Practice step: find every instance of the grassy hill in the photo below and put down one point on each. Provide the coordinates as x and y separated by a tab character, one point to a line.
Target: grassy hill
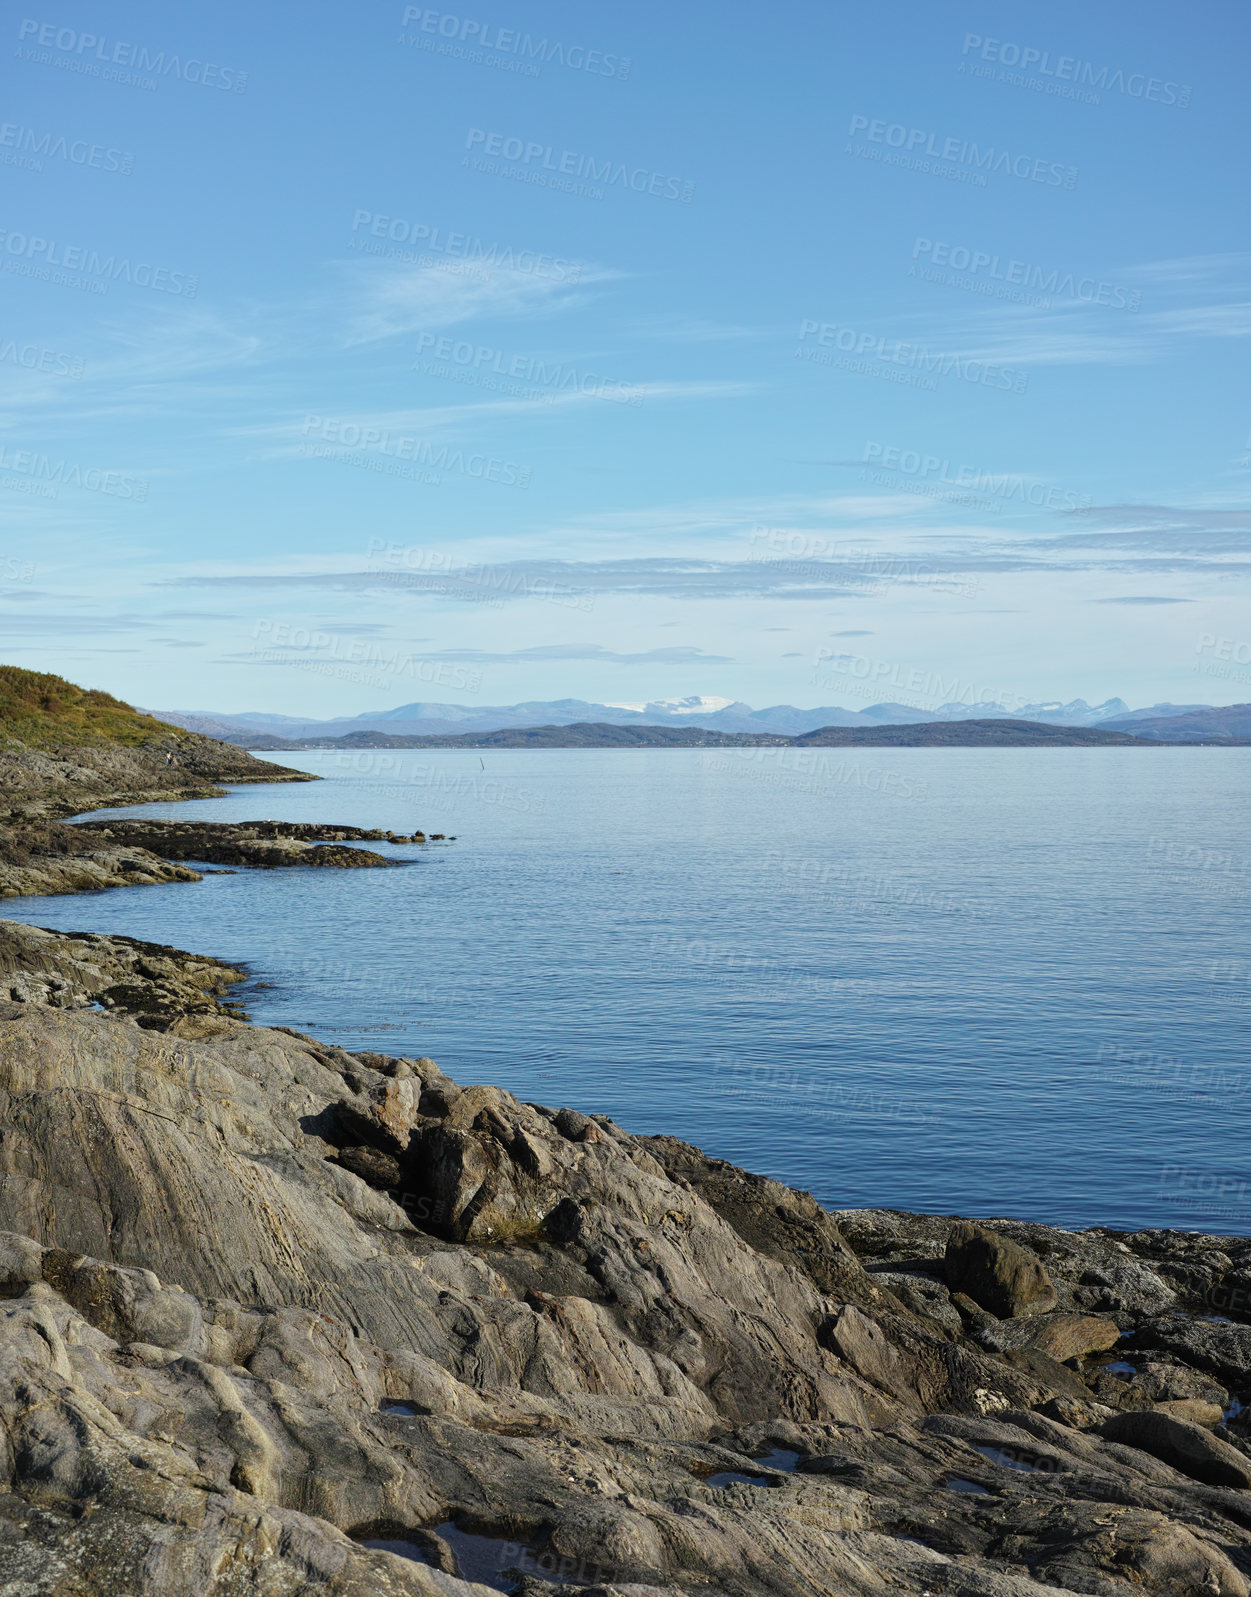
64	749
45	711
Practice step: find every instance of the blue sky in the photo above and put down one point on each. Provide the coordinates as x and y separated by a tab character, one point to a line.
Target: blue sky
358	355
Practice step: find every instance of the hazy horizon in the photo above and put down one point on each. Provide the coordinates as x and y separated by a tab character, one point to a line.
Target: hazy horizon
675	704
638	349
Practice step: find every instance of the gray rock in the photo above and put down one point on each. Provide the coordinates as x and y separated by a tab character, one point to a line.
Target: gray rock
1060	1336
1186	1447
243	1355
923	1295
1194	1410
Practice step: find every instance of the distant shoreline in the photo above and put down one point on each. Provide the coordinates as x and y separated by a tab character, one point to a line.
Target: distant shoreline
996	733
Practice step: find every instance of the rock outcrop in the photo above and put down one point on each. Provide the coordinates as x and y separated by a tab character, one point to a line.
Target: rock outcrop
997	1273
265	1305
277	1319
255	843
161	987
49	858
48	783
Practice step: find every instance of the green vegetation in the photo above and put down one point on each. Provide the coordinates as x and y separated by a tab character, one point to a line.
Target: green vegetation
46	711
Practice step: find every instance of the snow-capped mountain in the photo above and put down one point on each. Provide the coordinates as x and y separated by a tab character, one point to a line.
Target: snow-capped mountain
718	714
693	704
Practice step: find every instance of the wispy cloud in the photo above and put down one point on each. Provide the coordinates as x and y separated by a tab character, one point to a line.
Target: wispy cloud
521	579
1207	321
1190	272
390	301
1076	333
388	426
682	654
1194	531
183	355
1141	550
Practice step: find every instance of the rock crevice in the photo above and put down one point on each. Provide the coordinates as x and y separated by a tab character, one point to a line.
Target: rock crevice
263	1300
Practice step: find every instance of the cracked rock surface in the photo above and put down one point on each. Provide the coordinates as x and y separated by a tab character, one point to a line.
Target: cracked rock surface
263	1302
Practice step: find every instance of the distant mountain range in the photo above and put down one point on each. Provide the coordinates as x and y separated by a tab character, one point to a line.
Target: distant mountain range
255	729
1204	724
1001	732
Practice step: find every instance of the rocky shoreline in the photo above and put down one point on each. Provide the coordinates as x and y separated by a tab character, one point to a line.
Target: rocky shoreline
263	1302
49	783
278	1319
40	856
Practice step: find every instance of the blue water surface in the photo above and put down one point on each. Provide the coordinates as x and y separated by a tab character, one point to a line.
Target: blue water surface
974	981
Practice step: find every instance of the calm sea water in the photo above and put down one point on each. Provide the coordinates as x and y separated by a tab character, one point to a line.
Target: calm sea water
995	982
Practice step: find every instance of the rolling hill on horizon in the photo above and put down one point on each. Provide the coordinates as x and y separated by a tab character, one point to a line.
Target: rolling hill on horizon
1002	732
1211	724
718	715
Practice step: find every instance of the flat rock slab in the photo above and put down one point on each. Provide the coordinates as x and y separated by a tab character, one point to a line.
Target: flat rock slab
1060	1336
1188	1448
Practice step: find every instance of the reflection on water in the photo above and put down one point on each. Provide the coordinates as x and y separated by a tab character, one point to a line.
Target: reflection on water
1005	985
